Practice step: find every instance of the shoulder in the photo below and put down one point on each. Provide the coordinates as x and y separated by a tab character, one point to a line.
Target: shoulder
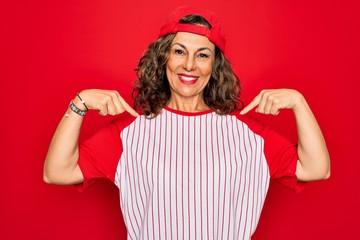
123	120
252	123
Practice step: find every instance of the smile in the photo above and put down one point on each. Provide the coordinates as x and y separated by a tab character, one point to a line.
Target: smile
187	79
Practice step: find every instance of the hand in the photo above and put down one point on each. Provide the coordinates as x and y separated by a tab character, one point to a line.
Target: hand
107	102
272	101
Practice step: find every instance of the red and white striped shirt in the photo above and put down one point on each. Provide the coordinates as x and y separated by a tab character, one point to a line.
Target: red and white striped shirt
189	175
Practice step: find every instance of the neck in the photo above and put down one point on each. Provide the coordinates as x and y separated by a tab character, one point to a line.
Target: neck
187	105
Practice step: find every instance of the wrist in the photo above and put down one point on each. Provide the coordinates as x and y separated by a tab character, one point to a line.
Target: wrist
78	106
77	102
300	104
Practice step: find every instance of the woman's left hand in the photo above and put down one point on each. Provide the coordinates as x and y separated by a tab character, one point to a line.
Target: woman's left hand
314	160
273	100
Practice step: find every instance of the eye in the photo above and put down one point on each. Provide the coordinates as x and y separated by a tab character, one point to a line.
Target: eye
179	51
203	55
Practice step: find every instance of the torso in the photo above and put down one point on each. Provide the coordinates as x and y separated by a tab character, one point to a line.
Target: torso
191	176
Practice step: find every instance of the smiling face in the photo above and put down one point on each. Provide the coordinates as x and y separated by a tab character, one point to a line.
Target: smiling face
188	70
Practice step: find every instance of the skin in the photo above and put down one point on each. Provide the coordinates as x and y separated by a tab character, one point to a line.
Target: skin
191	58
188	70
314	160
61	161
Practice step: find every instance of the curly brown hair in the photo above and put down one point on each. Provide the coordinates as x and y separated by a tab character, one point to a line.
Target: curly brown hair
152	91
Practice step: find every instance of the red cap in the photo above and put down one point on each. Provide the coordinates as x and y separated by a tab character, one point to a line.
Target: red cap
215	34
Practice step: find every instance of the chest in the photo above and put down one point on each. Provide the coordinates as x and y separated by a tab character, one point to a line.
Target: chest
192	150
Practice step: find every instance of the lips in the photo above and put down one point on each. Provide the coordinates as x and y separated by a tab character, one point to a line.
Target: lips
187	79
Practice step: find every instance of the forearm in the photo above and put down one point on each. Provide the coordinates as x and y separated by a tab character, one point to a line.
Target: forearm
314	161
61	161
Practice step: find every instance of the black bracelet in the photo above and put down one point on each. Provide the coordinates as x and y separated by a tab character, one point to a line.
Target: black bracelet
77	110
82	101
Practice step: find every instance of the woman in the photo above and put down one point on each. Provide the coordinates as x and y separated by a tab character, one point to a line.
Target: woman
190	165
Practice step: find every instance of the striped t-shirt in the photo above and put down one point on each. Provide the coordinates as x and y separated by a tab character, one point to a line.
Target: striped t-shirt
189	175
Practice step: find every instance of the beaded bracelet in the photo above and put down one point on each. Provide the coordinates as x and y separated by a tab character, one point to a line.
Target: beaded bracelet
77	110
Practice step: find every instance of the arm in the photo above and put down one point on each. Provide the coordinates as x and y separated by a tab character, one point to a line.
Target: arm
314	160
61	163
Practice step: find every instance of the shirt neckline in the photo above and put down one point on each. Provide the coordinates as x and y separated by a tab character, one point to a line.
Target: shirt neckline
183	113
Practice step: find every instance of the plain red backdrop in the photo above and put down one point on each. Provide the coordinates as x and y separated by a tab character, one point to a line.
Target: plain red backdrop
52	49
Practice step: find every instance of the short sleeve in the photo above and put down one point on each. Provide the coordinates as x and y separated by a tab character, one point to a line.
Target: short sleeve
99	155
282	158
280	153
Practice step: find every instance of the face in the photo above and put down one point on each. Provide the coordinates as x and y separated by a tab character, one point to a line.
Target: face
189	66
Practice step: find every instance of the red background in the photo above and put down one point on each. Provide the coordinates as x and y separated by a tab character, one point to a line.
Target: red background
52	49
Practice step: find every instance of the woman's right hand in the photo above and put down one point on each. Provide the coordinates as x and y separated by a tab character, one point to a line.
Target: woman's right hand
61	163
106	102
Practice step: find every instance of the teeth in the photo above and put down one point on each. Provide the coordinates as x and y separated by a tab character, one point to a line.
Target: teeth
188	78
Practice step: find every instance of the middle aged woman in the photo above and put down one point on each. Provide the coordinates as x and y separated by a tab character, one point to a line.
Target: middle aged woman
189	164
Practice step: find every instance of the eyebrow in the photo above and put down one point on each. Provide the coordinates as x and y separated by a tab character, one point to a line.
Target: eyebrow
199	49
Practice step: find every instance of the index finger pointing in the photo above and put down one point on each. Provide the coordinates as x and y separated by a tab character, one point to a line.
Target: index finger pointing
251	105
128	108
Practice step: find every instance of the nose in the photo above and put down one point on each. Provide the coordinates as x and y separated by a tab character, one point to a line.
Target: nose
189	63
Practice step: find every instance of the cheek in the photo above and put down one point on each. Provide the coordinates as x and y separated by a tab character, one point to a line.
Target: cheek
169	69
172	64
170	72
207	69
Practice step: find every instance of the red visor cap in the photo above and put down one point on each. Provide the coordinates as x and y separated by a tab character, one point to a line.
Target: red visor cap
215	34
